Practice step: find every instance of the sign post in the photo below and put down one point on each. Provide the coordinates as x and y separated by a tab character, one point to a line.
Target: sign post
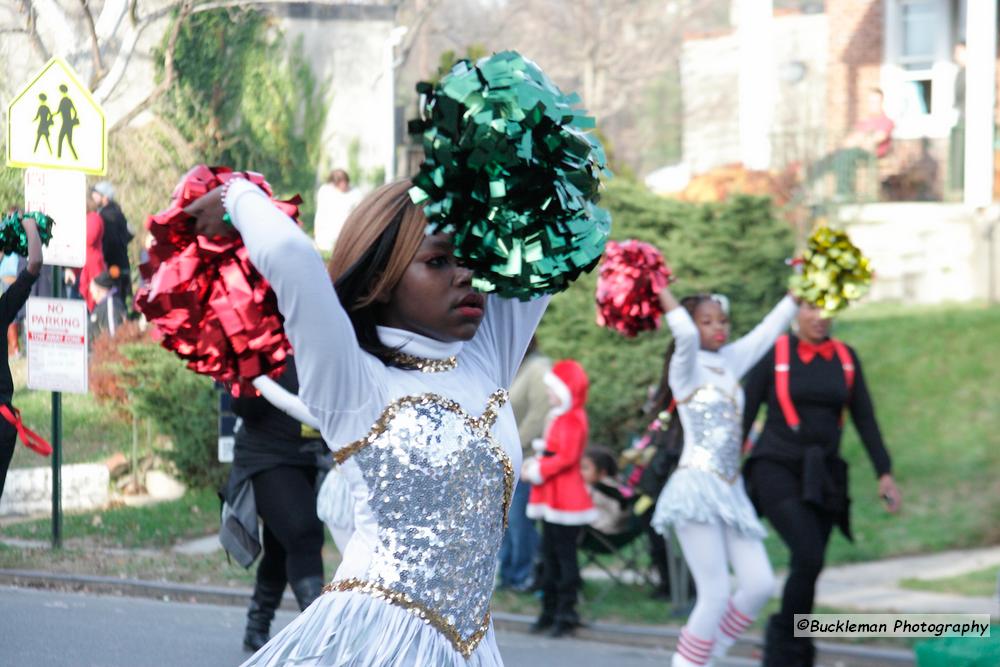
58	131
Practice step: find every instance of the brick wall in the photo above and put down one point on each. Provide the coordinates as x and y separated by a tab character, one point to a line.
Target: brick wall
855	42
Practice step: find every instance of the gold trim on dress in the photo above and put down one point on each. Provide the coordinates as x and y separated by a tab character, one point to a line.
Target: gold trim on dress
410	362
429	616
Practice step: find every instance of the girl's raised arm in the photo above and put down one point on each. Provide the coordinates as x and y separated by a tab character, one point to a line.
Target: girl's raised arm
742	354
505	333
335	375
684	361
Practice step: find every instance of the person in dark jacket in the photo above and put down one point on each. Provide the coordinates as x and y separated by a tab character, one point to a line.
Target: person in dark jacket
117	236
10	303
276	459
795	476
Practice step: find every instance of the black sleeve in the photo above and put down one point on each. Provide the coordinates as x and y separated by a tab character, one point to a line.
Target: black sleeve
757	385
863	415
15	296
249	408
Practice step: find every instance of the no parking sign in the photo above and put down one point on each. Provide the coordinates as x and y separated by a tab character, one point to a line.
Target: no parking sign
57	344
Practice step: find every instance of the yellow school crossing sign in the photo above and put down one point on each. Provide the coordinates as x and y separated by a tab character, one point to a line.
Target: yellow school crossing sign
54	123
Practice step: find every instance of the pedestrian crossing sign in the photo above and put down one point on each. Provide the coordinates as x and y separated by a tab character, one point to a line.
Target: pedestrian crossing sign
54	123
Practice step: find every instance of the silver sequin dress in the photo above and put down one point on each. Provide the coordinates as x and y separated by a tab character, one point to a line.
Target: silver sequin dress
707	486
429	459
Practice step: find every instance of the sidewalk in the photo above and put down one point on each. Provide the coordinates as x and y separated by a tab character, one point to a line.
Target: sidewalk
874	586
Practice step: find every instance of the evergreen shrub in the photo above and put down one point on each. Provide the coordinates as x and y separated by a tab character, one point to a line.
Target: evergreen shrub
736	247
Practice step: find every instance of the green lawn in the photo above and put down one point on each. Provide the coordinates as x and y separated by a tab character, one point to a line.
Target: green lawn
208	570
91	433
934	374
982	583
152	526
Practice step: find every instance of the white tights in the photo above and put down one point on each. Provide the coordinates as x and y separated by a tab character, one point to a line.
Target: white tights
718	618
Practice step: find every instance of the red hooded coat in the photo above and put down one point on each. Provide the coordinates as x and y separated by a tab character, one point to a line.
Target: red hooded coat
562	497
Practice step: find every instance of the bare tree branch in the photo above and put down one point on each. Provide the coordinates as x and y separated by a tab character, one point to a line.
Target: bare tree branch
95	47
32	29
168	68
414	29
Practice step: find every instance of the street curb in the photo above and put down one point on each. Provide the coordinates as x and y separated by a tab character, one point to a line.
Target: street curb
664	637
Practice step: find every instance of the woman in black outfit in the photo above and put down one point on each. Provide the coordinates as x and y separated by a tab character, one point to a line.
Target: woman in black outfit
279	456
10	303
795	475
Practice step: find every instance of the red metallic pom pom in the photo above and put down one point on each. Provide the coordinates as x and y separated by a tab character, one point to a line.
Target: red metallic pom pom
629	281
209	305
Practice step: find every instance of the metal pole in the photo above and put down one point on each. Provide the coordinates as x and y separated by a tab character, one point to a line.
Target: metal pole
57	292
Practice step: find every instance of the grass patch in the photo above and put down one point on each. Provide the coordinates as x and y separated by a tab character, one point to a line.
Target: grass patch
90	432
151	526
981	583
934	374
205	570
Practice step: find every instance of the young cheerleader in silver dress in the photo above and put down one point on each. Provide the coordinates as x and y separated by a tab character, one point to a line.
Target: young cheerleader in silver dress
704	500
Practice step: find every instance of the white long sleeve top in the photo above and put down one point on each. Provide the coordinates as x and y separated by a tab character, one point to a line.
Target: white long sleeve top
429	456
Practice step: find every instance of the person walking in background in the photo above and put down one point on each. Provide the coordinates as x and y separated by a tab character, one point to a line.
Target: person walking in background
116	238
559	497
13	298
795	475
334	202
529	398
275	466
704	500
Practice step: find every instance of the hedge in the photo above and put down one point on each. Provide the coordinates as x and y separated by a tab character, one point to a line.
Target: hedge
736	247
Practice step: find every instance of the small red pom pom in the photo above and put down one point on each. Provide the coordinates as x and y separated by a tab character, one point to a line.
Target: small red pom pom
629	281
209	305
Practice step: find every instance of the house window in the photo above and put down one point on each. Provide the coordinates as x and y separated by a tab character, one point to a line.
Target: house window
918	74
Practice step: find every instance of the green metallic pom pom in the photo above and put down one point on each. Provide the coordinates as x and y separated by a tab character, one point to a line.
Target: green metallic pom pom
13	238
512	173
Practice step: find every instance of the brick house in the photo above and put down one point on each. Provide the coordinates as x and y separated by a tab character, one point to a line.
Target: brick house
786	86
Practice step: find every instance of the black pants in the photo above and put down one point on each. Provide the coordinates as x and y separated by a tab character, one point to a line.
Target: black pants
560	572
805	530
293	534
8	440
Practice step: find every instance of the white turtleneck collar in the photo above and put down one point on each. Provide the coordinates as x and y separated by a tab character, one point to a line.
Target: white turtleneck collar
416	345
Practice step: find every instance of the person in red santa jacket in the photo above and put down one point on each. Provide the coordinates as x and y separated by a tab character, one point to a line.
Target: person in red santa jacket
559	497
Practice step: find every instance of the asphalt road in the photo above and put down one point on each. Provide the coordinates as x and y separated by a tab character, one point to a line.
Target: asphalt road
43	628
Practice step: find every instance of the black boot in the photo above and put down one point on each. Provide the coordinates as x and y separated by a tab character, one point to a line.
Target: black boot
783	649
266	599
307	589
566	620
547	618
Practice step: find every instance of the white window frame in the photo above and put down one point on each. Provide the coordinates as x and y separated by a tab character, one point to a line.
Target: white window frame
896	78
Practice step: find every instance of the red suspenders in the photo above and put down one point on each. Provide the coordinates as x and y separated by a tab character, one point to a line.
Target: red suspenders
782	357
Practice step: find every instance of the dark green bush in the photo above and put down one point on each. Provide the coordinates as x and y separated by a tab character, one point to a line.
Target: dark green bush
735	247
183	407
